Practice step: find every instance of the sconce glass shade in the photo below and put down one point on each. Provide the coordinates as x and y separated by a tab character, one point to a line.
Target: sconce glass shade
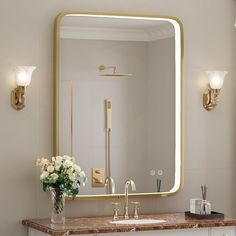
24	74
216	78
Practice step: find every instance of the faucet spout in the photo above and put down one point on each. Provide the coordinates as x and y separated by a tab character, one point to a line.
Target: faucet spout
133	188
109	181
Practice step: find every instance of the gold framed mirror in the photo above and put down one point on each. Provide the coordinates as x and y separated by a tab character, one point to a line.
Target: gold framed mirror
119	101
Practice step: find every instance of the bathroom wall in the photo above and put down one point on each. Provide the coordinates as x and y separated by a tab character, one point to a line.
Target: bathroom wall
27	38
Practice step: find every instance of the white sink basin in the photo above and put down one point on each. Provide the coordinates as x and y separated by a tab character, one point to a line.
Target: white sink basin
137	222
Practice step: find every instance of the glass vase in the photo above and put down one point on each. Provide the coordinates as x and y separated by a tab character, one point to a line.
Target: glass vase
58	206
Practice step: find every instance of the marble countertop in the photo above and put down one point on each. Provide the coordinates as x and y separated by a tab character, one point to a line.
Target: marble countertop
95	225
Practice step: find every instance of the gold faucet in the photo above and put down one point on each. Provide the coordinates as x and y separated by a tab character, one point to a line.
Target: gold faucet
133	188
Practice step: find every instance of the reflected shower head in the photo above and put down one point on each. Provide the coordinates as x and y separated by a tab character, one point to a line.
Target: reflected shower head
114	72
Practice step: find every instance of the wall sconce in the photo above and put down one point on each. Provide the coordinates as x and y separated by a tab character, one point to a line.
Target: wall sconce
211	96
23	79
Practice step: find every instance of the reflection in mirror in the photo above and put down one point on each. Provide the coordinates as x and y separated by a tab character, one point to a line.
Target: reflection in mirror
120	101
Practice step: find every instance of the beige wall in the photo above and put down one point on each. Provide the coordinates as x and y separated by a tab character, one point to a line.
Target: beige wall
27	38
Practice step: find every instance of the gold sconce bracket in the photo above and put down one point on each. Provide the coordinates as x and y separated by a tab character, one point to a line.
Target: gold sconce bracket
211	98
18	97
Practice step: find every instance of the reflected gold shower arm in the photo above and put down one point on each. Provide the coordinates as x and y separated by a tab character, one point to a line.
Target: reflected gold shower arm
113	73
102	67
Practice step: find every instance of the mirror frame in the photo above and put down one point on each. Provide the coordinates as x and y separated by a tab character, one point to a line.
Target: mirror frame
57	66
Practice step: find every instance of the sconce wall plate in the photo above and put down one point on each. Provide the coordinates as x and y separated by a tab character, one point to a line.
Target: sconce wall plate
211	98
18	97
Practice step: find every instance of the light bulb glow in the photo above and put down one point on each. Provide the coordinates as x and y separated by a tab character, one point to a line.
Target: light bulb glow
24	74
216	78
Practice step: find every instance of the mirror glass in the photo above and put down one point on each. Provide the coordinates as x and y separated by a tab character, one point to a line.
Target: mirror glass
119	103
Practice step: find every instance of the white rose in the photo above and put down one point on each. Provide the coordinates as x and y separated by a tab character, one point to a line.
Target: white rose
44	175
67	163
44	161
50	169
41	162
72	177
53	159
82	174
58	164
65	157
57	167
69	171
58	158
54	177
76	168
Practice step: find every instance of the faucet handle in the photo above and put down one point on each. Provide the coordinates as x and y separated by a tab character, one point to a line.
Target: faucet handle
136	208
115	210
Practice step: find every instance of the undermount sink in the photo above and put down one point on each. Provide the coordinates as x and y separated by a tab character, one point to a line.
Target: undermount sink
138	222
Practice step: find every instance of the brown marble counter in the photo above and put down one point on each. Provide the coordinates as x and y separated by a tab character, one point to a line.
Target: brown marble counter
95	225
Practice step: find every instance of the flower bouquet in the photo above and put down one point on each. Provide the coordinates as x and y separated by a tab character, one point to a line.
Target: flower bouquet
62	177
